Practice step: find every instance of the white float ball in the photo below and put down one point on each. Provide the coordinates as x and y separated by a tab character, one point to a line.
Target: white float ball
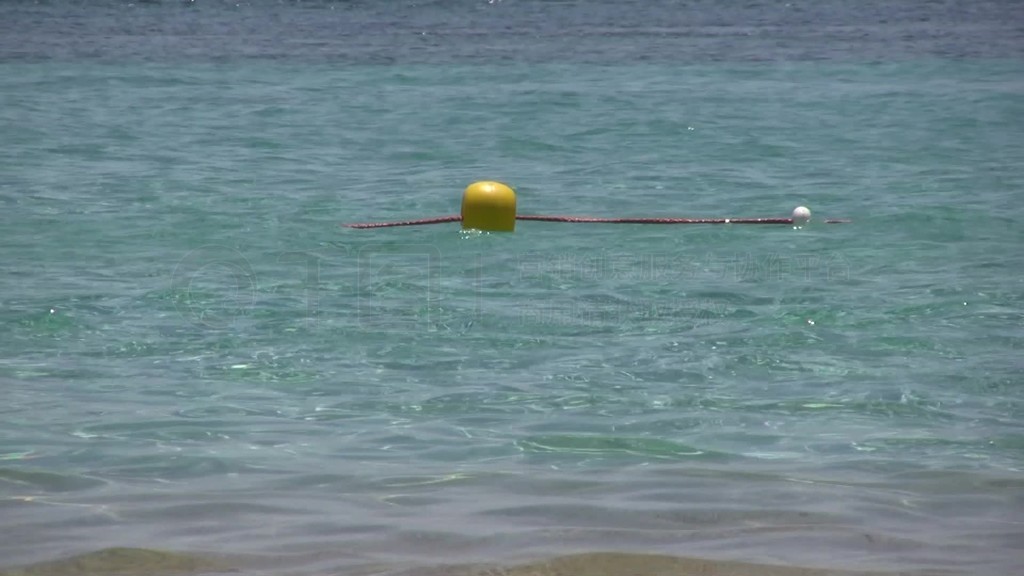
801	216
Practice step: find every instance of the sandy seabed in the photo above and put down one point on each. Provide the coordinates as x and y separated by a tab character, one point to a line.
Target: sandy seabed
138	561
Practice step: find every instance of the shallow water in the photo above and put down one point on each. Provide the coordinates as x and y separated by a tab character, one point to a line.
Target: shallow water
196	356
142	561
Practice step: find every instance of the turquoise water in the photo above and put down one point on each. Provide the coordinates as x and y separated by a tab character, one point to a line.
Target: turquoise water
196	355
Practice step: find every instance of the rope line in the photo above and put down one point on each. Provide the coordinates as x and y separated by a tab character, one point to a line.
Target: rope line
588	220
424	221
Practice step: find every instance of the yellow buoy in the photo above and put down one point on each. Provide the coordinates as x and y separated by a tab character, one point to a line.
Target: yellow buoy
489	206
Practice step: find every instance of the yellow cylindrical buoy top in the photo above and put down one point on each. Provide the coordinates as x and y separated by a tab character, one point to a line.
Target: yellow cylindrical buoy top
489	206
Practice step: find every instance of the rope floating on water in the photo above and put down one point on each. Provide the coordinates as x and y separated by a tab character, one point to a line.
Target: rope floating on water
491	206
421	222
588	220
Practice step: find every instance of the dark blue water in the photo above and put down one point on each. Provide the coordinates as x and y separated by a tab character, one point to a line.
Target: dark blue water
523	31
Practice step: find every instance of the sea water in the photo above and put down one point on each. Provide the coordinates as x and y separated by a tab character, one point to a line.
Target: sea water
196	356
